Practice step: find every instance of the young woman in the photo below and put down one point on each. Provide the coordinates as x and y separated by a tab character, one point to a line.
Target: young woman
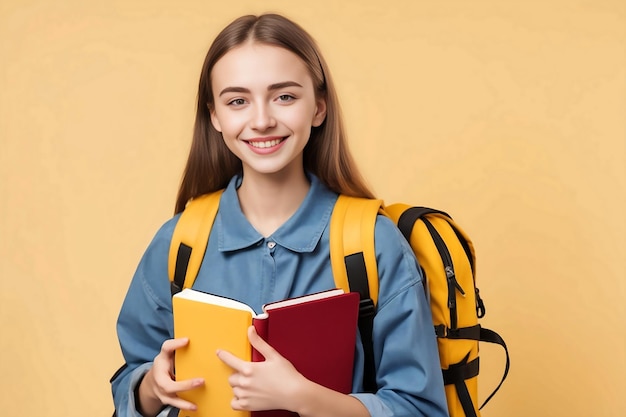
268	130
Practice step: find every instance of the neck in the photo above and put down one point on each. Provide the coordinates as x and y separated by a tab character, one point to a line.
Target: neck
268	201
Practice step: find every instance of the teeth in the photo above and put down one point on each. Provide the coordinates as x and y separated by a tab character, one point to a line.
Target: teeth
266	144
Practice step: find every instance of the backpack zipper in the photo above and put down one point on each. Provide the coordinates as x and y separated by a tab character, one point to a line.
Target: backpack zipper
453	284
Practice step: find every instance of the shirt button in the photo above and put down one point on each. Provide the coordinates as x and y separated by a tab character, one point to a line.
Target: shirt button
271	245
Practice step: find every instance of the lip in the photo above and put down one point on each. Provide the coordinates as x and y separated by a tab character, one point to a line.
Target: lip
265	145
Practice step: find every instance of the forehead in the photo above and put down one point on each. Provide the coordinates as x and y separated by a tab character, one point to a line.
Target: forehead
256	64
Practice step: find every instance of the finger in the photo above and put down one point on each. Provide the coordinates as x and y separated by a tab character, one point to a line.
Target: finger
170	345
187	384
238	392
239	404
170	386
231	360
260	345
171	389
164	361
168	389
180	403
234	404
233	381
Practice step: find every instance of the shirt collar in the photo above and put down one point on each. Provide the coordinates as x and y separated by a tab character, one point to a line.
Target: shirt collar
300	233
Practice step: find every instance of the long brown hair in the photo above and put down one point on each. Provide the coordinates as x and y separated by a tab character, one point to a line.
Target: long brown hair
211	165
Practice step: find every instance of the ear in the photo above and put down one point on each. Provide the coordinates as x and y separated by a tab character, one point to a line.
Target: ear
214	120
320	112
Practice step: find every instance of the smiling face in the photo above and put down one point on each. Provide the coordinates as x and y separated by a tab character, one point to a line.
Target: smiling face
265	106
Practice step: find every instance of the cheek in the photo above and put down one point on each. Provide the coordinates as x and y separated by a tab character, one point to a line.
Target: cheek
300	119
232	143
231	124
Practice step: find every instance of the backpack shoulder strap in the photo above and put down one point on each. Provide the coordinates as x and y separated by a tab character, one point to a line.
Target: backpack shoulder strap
353	259
406	216
190	239
352	251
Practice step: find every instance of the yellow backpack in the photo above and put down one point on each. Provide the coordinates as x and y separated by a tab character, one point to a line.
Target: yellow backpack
445	254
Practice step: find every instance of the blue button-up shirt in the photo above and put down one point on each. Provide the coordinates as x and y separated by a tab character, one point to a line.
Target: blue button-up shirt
242	264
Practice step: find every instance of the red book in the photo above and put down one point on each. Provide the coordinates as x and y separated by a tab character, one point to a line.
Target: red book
316	333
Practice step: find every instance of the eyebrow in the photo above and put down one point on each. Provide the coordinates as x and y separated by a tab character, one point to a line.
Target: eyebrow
271	87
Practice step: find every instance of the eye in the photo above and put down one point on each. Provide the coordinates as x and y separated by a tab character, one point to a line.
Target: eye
285	98
237	102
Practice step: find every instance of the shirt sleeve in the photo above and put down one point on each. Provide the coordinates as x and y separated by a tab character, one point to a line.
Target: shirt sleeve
145	321
408	374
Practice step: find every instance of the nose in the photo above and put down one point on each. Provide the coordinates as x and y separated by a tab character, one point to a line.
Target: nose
262	117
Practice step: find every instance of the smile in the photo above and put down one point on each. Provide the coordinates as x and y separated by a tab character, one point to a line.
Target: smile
262	144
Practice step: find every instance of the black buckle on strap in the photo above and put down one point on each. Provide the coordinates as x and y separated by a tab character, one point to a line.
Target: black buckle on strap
367	308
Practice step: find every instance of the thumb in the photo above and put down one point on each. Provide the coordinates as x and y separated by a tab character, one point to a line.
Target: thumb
260	345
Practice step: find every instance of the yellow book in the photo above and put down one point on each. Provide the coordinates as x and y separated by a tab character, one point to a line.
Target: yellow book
201	322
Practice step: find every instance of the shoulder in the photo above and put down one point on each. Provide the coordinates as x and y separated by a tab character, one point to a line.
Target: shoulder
163	236
398	269
389	239
152	271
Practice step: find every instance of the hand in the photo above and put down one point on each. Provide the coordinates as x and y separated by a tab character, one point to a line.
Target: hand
271	384
159	388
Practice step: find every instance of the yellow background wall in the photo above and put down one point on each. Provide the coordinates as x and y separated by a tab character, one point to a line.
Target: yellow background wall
508	114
